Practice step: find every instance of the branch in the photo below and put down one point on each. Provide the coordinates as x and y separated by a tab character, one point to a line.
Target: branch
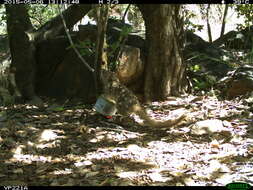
54	27
71	41
123	18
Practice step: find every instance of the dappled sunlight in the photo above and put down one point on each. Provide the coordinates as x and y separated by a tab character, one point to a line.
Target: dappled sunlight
59	146
113	136
62	172
154	175
77	110
29	158
49	134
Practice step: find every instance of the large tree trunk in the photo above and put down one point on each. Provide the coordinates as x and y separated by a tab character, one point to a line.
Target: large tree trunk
164	67
22	51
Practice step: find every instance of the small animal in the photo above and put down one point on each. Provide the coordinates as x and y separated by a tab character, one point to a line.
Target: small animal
127	103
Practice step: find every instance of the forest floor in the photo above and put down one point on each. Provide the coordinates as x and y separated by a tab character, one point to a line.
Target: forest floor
71	144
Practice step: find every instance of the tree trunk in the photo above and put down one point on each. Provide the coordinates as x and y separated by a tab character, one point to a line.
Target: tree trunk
22	51
164	67
224	20
100	56
208	24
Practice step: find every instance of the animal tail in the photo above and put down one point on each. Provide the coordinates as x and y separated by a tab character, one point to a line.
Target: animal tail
147	121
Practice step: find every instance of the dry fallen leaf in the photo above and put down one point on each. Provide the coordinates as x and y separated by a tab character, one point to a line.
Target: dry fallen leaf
91	174
215	144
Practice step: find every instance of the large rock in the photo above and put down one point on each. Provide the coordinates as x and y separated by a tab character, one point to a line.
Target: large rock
210	127
240	82
241	39
208	56
61	74
131	65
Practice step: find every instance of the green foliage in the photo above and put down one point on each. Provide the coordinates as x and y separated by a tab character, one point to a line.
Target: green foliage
40	14
202	80
204	83
59	108
113	65
114	48
198	84
248	58
188	24
251	53
215	11
203	56
195	68
125	31
246	11
3	29
123	34
86	48
135	18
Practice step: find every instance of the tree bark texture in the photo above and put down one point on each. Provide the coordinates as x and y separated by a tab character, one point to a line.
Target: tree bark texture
224	20
100	55
209	31
22	51
164	68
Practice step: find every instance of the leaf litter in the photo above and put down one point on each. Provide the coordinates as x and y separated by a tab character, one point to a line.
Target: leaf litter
70	144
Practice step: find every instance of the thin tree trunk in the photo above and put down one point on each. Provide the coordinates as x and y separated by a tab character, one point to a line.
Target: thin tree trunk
209	31
224	20
100	56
